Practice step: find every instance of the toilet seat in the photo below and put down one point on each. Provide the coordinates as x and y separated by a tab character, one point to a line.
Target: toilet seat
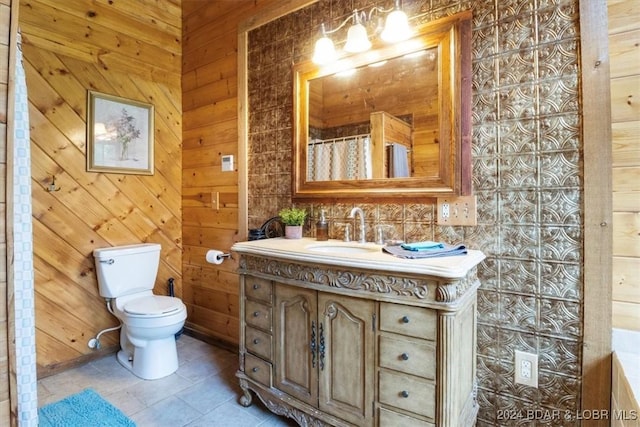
153	306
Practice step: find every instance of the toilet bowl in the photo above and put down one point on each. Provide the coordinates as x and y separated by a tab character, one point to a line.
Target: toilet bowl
147	338
126	276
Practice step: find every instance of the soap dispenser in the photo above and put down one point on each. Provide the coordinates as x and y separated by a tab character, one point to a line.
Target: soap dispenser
322	228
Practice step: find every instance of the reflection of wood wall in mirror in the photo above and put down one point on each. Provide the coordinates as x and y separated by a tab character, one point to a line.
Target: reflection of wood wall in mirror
316	102
386	130
400	86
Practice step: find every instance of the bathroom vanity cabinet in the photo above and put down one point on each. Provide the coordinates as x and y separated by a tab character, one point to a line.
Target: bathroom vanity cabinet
344	341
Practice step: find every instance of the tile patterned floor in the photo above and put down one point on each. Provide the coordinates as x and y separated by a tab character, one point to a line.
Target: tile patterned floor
203	392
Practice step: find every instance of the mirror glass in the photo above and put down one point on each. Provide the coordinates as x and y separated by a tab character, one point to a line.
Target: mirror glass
387	119
375	121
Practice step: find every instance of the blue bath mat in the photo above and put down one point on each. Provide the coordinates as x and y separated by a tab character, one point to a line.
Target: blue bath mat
85	409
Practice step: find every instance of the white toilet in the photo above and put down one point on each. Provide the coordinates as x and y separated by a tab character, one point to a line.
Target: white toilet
126	275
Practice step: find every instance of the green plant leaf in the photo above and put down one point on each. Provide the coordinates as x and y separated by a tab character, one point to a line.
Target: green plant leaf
293	216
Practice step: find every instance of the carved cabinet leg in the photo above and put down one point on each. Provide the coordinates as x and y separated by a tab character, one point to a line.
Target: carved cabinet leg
247	398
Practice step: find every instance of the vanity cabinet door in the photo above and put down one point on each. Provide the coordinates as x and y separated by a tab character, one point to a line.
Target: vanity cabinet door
346	357
295	329
325	346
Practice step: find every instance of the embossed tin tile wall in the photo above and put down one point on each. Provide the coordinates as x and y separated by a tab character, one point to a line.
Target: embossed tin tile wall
527	167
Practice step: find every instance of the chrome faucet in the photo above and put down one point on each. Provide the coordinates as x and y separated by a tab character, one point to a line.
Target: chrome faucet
353	213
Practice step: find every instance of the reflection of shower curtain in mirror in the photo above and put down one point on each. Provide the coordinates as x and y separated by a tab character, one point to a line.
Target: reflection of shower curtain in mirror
339	159
399	164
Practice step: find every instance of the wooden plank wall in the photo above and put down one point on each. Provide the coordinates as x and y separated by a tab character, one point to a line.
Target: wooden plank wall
5	348
624	47
210	130
128	49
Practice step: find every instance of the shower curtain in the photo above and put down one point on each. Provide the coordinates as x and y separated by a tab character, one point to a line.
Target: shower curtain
339	159
20	158
399	161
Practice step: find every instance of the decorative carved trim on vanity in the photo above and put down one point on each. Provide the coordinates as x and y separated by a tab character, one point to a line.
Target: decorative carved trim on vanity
451	291
280	408
281	404
337	278
393	284
446	292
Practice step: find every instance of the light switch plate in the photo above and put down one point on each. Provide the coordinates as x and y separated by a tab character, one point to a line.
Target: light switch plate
460	210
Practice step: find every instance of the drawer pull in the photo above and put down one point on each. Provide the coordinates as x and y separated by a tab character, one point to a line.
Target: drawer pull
405	319
256	286
403	393
256	341
256	369
256	313
404	356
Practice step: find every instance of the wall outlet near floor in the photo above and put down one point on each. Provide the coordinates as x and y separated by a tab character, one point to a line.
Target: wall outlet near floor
526	370
461	210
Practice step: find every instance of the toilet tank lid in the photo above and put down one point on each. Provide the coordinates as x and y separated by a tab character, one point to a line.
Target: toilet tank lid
125	250
153	305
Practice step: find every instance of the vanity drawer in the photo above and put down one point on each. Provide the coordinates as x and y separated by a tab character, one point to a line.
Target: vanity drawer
258	342
257	369
258	315
256	288
417	357
387	418
412	321
408	393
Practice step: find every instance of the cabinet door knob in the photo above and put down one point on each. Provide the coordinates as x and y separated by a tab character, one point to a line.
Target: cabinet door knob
403	393
404	356
256	286
256	313
256	369
256	340
405	319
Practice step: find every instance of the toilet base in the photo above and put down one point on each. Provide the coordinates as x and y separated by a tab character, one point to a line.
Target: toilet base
157	359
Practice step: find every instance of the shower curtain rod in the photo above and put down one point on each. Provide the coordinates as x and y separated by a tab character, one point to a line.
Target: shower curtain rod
343	138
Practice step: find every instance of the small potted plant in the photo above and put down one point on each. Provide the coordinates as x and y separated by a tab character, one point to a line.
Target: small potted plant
292	218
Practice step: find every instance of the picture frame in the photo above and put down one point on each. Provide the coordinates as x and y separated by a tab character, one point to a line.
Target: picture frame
120	135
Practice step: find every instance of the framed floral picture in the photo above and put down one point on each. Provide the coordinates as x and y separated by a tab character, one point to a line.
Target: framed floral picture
119	135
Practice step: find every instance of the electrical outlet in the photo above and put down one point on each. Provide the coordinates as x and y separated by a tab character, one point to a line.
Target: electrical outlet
526	370
459	210
445	210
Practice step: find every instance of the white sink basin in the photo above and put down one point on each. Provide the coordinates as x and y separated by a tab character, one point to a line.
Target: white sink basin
341	248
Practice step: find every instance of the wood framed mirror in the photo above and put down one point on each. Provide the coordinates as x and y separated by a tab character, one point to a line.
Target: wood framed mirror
392	122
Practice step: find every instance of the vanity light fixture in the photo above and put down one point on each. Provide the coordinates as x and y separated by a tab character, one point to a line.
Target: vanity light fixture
396	29
324	52
357	37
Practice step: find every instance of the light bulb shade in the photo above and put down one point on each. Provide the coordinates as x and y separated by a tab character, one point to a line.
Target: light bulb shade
396	27
357	39
324	51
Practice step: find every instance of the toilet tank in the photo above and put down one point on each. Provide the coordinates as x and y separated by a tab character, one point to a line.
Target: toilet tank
125	270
